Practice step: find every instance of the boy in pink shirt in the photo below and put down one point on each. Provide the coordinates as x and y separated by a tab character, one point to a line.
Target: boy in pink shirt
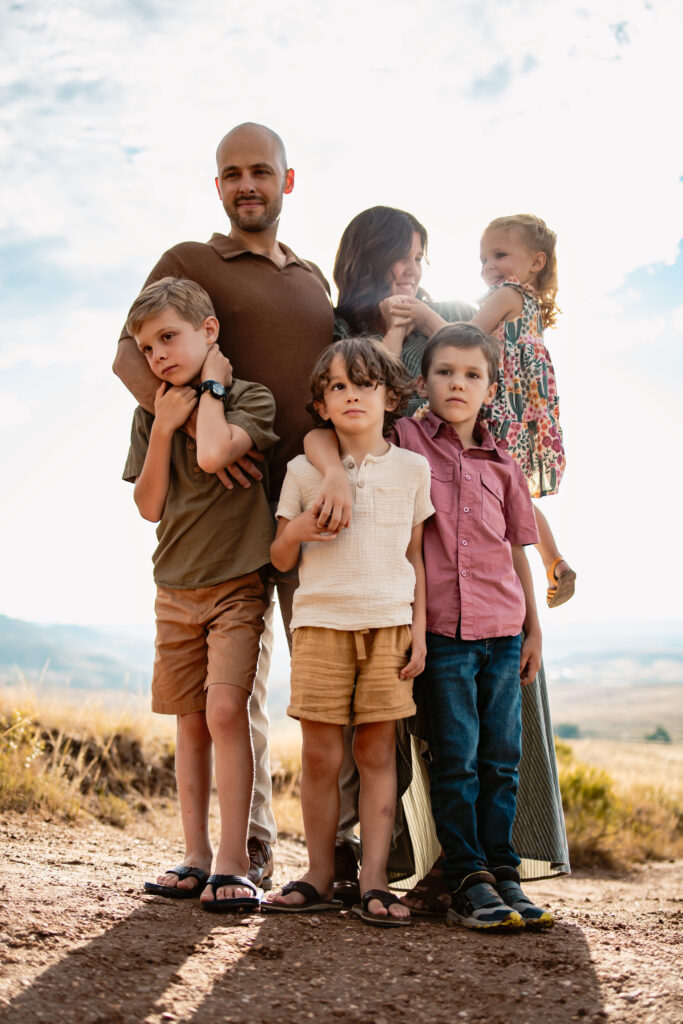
479	598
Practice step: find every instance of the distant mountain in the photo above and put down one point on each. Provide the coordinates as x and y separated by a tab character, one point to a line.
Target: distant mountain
620	680
79	656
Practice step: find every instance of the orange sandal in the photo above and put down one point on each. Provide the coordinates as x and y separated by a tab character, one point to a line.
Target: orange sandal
561	588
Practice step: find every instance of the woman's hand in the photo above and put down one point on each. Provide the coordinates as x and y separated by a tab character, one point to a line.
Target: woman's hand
398	312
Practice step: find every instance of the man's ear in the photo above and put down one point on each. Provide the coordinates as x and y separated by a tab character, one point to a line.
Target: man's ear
321	409
218	189
421	387
210	328
289	181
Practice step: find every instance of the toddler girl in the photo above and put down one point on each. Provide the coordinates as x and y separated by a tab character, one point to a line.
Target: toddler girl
520	267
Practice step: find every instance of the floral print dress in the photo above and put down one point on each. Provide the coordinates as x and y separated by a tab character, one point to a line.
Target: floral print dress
524	415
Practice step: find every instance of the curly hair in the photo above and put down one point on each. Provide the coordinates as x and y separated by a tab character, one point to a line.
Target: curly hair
371	243
537	237
363	358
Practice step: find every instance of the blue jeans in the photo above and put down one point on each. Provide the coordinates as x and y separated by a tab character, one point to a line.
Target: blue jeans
471	697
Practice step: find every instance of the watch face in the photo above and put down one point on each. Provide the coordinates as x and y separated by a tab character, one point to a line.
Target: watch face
217	390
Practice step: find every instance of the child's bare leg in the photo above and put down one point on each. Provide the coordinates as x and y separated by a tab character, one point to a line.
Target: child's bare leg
322	754
227	717
193	776
547	546
555	565
374	749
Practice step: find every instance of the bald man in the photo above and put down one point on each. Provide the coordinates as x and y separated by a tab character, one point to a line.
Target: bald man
275	317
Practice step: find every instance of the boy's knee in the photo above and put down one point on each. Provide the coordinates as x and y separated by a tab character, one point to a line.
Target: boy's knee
321	758
374	752
226	708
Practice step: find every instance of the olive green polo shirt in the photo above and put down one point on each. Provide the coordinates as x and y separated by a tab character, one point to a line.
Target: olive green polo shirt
208	534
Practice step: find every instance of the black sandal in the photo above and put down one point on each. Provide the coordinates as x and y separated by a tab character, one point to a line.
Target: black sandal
172	892
383	920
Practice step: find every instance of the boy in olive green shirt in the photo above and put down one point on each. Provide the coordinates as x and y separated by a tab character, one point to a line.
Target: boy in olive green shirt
209	570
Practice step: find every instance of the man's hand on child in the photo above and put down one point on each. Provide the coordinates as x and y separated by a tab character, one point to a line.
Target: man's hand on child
332	505
530	660
242	470
173	406
418	655
217	366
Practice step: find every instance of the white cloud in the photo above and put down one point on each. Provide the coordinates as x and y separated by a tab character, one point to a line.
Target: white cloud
458	112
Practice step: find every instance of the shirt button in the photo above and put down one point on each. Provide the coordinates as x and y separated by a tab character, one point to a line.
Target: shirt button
466	508
464	572
360	483
192	446
467	476
465	543
197	469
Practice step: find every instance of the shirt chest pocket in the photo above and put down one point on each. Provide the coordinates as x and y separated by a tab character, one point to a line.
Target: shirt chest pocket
390	506
442	486
492	504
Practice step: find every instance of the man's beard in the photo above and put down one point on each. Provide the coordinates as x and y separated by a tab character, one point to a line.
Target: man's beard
251	222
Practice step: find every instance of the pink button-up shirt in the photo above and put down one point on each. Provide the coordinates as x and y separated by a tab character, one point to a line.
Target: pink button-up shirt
482	508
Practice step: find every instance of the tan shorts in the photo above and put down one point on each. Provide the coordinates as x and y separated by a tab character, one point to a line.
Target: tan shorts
350	678
206	636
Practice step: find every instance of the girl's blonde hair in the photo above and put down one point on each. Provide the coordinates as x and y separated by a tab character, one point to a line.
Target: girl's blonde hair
537	236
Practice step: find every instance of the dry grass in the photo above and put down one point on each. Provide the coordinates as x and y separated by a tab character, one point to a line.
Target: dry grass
623	801
627	815
69	759
285	766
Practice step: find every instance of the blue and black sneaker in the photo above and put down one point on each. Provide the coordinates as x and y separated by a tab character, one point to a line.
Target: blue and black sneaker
476	904
509	889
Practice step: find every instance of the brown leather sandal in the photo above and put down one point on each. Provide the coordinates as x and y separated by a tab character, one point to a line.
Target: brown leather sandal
431	892
560	588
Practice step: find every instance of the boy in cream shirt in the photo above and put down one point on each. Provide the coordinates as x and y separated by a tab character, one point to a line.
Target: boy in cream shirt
359	618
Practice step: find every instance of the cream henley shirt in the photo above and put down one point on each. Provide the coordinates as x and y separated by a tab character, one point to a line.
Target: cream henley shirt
361	580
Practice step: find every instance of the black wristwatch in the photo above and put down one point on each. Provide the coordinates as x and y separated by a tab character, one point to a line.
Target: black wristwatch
214	388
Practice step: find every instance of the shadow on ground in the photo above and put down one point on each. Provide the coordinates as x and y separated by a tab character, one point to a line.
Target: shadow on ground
172	961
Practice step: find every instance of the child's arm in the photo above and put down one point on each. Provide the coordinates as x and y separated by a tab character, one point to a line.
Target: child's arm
219	443
418	627
530	661
504	304
291	534
172	406
333	501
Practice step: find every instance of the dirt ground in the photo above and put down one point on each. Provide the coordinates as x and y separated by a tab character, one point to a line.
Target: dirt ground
80	942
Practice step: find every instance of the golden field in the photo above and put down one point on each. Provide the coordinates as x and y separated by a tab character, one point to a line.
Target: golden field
112	759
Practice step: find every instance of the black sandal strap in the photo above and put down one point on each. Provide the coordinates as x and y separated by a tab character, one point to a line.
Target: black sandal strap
183	871
218	881
385	898
309	892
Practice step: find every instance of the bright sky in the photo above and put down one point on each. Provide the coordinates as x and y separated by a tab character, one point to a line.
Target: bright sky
458	112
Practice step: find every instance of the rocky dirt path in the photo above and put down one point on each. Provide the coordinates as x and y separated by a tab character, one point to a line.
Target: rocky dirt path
80	943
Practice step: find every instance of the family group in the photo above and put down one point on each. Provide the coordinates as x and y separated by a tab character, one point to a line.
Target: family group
395	543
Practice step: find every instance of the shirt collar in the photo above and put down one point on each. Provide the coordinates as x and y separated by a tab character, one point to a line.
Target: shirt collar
228	248
348	460
434	425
